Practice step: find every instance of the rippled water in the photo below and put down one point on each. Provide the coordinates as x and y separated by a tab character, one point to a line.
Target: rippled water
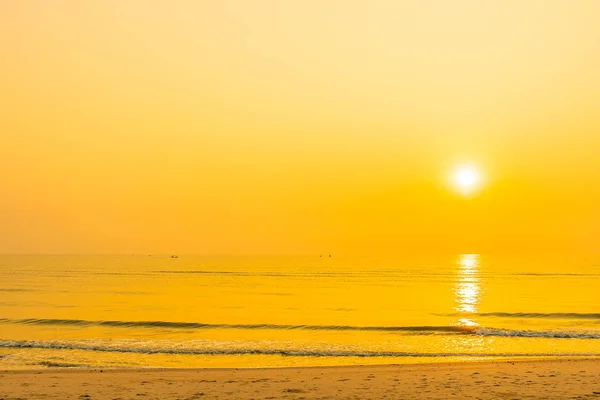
275	311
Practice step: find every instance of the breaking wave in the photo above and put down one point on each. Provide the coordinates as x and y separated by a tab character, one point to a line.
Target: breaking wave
410	330
87	346
197	325
537	334
553	315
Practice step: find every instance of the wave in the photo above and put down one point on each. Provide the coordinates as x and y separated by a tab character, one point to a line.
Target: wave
537	334
64	345
543	315
414	330
197	325
554	315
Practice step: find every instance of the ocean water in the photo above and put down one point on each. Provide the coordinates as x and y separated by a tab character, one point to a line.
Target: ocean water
191	311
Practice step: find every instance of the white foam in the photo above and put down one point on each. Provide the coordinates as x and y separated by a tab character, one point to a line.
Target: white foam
537	334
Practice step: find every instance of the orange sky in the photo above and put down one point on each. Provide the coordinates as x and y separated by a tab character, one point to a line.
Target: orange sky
244	127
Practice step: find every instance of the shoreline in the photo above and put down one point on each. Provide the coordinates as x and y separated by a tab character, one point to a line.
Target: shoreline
499	360
540	378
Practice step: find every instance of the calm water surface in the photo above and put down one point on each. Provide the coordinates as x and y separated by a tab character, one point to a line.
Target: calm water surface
132	311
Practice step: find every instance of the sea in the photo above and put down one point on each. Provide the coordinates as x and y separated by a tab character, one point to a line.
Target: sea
150	311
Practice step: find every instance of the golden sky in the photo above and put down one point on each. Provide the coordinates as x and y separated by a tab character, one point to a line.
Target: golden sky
245	127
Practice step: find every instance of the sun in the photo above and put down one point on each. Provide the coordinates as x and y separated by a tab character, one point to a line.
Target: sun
466	178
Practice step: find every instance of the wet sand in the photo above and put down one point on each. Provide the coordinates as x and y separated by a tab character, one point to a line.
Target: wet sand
543	379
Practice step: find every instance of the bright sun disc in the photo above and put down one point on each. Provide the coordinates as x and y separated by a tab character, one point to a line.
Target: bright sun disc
466	177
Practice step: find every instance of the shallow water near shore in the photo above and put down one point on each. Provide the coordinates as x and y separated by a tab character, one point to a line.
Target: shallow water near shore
192	311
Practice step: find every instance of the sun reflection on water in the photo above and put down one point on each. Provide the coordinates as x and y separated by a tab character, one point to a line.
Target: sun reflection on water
467	289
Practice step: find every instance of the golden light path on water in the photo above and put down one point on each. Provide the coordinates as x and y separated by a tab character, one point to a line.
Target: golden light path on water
467	289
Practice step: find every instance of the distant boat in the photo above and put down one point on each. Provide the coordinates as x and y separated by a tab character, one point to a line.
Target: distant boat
174	256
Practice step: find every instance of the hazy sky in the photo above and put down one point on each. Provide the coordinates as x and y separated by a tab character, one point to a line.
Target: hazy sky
243	127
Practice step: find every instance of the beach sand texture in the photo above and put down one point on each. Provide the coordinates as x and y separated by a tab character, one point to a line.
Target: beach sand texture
544	379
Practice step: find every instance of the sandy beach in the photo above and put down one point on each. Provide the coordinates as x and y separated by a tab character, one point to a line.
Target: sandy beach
547	379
